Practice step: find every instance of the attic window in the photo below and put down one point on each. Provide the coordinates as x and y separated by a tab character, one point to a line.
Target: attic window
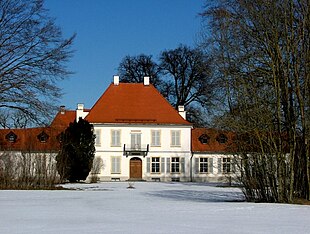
204	139
222	139
43	137
11	137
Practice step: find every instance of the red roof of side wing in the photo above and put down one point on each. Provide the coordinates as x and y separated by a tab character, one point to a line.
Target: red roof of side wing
212	144
134	103
63	119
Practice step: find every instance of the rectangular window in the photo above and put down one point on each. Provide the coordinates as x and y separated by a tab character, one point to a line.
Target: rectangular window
135	141
175	165
115	165
203	165
226	165
155	138
175	138
116	138
155	166
98	137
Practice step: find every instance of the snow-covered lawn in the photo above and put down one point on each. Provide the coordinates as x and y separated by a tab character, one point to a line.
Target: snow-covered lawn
149	208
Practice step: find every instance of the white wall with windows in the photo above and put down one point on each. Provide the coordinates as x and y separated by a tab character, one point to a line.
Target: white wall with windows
168	157
210	167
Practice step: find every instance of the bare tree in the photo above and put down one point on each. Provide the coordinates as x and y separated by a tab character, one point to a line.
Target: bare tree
261	52
32	58
132	69
188	75
183	77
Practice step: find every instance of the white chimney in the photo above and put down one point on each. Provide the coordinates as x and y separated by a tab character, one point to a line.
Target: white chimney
116	80
182	112
80	113
146	80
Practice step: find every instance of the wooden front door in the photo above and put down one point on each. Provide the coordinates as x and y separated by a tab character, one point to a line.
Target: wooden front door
135	168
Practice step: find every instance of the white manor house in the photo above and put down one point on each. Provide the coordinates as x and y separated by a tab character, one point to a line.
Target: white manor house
139	136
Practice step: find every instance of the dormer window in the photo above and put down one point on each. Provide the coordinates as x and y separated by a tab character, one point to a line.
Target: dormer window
43	137
222	139
11	137
204	139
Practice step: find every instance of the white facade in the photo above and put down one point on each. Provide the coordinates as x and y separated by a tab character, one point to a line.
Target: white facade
213	167
167	149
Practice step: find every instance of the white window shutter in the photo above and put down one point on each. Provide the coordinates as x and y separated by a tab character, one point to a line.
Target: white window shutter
148	165
162	169
168	165
219	165
210	165
197	165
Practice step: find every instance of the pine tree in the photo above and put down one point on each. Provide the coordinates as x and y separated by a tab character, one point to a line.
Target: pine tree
75	158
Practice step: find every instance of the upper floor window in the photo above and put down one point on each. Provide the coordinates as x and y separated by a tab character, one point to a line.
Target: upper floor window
43	137
116	138
222	139
11	137
175	138
204	139
135	137
98	137
155	138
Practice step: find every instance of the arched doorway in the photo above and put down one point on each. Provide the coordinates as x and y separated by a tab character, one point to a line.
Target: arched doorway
135	169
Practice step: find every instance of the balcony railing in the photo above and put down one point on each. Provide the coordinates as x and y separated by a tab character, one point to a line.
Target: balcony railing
135	150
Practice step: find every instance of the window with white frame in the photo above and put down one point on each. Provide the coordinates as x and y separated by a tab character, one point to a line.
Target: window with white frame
115	137
226	165
115	165
175	165
135	140
98	137
203	165
155	138
175	137
155	165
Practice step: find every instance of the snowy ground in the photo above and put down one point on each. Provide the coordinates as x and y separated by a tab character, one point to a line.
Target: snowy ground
149	208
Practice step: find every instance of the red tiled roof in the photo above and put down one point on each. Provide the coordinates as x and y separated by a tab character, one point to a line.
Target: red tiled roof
134	103
27	139
213	145
63	119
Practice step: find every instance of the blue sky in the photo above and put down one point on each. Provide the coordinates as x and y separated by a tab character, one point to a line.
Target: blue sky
108	30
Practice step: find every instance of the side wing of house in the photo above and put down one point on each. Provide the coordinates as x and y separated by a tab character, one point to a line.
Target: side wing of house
212	156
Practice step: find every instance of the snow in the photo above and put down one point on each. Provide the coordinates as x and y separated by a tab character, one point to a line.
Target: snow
149	208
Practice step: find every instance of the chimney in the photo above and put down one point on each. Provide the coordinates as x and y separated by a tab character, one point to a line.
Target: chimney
146	80
62	110
116	80
182	112
80	113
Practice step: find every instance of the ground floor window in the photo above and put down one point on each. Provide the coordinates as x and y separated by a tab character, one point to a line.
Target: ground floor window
175	165
226	165
155	166
203	165
115	165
